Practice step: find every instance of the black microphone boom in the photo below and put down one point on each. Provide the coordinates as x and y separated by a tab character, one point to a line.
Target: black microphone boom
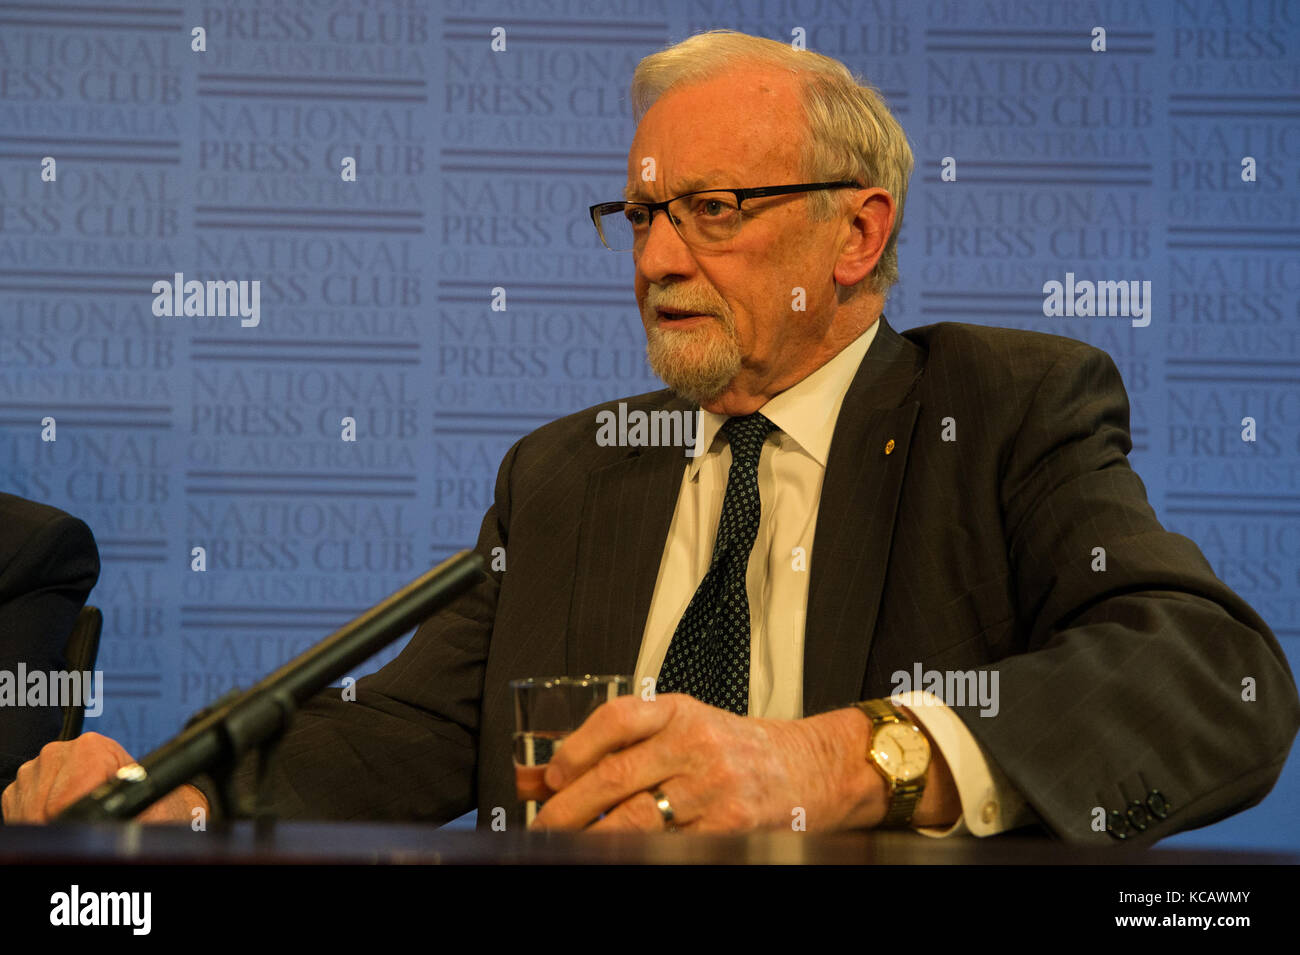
219	736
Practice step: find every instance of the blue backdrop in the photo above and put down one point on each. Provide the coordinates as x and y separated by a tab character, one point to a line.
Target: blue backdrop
1171	157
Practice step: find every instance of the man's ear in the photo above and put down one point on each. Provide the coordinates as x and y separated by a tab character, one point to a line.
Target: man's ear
869	228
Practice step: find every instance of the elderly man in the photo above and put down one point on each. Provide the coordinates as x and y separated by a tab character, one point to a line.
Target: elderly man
862	504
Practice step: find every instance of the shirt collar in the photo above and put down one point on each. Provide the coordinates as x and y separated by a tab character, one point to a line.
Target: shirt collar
805	412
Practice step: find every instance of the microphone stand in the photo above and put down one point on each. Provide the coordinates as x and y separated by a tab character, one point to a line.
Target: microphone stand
215	738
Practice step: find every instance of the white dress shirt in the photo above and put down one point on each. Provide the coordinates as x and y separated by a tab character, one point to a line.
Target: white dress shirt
790	473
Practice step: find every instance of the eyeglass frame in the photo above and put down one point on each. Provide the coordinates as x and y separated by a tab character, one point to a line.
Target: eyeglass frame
754	192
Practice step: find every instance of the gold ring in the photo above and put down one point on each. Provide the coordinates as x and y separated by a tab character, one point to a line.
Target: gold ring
665	810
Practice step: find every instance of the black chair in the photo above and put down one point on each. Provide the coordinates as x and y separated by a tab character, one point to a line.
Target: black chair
81	651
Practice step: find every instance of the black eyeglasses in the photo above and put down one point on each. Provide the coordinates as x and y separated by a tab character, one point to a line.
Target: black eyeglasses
708	217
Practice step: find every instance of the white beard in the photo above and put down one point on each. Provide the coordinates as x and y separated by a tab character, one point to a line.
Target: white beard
697	363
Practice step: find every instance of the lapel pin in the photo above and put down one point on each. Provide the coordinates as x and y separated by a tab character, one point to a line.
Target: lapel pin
889	446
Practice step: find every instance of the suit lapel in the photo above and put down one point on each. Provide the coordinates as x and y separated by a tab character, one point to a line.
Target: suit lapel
855	520
628	510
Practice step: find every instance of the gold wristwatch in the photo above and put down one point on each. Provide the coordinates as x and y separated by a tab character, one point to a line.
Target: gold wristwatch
901	753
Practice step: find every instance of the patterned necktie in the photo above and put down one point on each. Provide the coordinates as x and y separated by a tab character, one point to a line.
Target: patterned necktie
709	655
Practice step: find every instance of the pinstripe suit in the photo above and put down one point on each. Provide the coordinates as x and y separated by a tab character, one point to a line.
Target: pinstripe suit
954	554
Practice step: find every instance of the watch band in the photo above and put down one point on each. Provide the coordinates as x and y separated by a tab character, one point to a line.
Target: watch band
904	795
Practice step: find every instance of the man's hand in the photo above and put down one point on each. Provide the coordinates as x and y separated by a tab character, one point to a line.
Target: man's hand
719	771
67	770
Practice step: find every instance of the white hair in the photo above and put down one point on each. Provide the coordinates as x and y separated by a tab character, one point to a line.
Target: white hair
852	134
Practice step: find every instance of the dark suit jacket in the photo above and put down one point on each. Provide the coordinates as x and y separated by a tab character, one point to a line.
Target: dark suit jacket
48	565
954	554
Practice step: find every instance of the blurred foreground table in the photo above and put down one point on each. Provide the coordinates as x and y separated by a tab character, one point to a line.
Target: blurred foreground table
319	843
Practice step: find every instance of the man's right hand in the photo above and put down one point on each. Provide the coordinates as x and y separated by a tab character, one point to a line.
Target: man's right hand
67	770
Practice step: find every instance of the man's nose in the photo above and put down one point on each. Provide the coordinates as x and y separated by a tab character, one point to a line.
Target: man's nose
663	253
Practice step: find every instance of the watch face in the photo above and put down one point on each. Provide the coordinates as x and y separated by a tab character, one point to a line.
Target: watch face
901	750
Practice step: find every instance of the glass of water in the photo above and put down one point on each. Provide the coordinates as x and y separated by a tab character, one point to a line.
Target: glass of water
547	709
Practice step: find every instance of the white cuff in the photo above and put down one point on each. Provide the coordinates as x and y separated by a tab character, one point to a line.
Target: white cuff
989	803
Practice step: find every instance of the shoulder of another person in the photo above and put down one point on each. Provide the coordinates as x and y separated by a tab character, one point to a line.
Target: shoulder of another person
42	545
24	520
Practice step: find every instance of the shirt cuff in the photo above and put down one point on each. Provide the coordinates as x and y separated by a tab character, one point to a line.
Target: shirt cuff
989	803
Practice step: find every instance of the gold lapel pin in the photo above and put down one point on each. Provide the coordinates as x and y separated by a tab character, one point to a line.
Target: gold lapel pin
889	446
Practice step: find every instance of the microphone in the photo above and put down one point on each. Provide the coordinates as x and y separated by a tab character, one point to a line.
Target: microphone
236	723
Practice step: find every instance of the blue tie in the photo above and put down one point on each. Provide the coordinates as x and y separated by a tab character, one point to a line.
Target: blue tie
709	655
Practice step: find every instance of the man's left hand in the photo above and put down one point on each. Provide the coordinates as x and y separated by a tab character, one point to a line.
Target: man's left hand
719	771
